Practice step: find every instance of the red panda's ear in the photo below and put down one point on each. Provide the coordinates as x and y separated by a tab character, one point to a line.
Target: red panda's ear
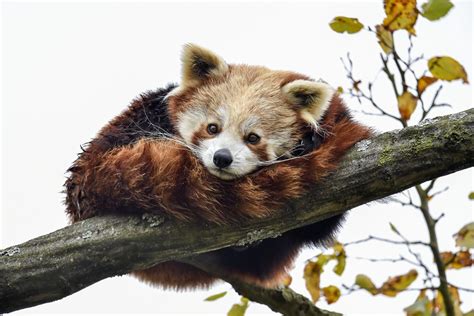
198	64
313	98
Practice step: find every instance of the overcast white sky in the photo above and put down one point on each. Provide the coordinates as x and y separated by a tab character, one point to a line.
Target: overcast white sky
67	68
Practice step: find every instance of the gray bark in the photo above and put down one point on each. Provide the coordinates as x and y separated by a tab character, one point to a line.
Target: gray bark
53	266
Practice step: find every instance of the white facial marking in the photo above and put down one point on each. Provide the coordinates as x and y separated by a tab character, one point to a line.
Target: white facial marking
244	160
190	121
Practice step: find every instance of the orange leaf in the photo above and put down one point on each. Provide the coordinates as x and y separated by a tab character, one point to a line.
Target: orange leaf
407	105
397	284
458	260
424	82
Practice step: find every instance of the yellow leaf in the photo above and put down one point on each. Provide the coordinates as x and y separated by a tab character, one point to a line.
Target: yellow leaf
385	38
397	284
465	237
323	259
239	309
407	105
421	307
331	293
366	283
340	90
471	196
439	302
341	24
340	254
424	82
312	277
287	279
458	260
215	297
447	68
435	9
401	14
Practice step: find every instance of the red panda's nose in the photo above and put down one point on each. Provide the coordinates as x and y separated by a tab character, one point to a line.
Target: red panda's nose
222	158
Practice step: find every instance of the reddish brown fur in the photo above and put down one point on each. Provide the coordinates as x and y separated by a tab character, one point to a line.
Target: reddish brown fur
159	176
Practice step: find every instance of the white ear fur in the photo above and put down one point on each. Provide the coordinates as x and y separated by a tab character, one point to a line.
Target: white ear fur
198	63
312	97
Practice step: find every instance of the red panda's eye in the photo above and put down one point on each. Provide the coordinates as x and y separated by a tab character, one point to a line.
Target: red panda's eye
253	138
212	129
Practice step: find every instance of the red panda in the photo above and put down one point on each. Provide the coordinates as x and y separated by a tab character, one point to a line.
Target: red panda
229	142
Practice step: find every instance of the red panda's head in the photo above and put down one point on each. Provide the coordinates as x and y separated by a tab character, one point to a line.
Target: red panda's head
239	117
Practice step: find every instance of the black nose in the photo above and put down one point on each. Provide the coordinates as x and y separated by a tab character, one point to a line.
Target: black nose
222	158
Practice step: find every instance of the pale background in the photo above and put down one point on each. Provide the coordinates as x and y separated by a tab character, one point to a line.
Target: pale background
67	68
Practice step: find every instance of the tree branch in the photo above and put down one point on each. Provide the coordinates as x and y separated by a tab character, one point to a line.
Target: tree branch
283	300
53	266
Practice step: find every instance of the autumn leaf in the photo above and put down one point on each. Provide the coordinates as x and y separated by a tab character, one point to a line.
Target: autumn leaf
340	90
423	83
385	38
341	24
458	260
407	105
465	236
322	259
340	256
397	284
364	282
286	281
331	293
239	309
471	196
421	307
312	277
447	68
215	297
401	14
439	302
435	9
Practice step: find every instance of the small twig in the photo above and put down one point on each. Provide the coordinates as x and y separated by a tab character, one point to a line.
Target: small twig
433	104
438	192
396	242
430	186
436	220
461	288
402	203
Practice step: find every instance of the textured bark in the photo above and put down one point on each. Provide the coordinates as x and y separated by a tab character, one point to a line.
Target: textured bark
53	266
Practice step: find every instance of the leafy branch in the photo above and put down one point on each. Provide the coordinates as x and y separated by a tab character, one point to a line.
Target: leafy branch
408	87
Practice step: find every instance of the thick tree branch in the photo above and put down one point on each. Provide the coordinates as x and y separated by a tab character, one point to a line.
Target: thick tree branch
58	264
